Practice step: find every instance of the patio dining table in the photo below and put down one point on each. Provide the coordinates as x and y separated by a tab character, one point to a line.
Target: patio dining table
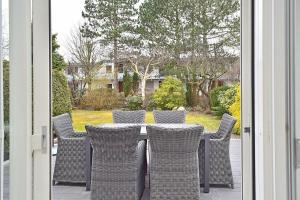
144	136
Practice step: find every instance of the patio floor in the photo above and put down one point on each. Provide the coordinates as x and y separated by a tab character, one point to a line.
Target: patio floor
76	192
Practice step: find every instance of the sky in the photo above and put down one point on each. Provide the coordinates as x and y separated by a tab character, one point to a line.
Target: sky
66	16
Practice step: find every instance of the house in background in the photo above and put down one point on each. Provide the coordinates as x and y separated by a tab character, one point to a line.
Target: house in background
105	76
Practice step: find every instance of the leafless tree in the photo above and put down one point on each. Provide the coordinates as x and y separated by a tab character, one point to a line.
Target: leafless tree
85	55
146	65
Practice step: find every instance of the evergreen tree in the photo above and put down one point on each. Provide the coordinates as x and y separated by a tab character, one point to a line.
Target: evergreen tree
135	82
113	21
127	83
58	61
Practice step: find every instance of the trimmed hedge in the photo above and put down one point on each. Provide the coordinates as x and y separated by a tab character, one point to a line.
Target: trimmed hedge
61	95
102	99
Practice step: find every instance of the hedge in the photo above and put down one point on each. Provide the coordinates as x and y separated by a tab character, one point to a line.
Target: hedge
61	95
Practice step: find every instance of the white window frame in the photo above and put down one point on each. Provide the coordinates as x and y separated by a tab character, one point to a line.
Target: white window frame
30	74
271	105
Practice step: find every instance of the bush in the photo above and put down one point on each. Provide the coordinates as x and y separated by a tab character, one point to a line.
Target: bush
134	103
6	90
214	94
127	83
170	94
135	82
235	109
227	97
221	98
61	96
103	98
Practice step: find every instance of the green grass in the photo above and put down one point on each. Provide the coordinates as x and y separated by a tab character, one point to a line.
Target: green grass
83	117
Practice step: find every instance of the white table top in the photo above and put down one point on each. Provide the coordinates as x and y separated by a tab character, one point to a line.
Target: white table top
143	126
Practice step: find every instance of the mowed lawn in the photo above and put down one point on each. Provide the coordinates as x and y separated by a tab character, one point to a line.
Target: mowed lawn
82	117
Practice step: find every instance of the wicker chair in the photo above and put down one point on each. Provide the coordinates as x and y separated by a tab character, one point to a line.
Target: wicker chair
220	166
70	158
169	117
174	167
118	163
129	117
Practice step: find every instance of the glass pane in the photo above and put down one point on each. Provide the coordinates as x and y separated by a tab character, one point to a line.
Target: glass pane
166	55
5	57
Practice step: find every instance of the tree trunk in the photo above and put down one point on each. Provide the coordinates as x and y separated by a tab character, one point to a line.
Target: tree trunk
143	89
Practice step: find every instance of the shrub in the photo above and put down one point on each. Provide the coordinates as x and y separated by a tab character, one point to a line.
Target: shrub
6	89
134	103
127	83
227	97
135	82
170	94
214	94
61	98
235	109
103	98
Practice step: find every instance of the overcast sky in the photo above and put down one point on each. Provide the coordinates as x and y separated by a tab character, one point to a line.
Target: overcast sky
66	16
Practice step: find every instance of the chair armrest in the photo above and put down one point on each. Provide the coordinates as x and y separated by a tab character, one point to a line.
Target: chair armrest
79	134
72	141
210	135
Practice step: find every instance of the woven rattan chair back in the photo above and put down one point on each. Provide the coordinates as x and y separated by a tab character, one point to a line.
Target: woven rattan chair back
226	126
114	163
174	166
62	125
169	117
130	117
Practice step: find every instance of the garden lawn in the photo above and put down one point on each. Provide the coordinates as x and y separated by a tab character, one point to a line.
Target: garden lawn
82	117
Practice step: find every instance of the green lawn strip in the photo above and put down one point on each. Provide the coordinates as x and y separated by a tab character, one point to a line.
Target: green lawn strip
83	117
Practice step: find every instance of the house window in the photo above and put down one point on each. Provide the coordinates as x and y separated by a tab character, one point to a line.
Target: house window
108	69
121	68
109	86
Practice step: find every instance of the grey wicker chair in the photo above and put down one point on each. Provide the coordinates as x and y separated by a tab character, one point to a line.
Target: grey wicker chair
130	117
174	167
118	163
71	152
220	166
169	117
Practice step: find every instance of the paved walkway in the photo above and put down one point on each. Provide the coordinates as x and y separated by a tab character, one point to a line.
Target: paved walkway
77	192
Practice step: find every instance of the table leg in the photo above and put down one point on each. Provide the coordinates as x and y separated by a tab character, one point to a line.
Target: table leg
88	164
206	163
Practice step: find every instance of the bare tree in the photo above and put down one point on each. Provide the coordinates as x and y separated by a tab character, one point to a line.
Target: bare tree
146	65
85	55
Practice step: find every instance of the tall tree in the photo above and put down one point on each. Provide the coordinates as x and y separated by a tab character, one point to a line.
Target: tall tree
202	36
85	53
113	21
58	62
163	24
61	99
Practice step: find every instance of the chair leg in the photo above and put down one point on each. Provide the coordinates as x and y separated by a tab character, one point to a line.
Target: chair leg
53	182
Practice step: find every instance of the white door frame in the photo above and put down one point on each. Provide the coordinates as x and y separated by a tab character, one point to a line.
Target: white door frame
271	105
42	99
22	141
247	130
29	122
20	99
